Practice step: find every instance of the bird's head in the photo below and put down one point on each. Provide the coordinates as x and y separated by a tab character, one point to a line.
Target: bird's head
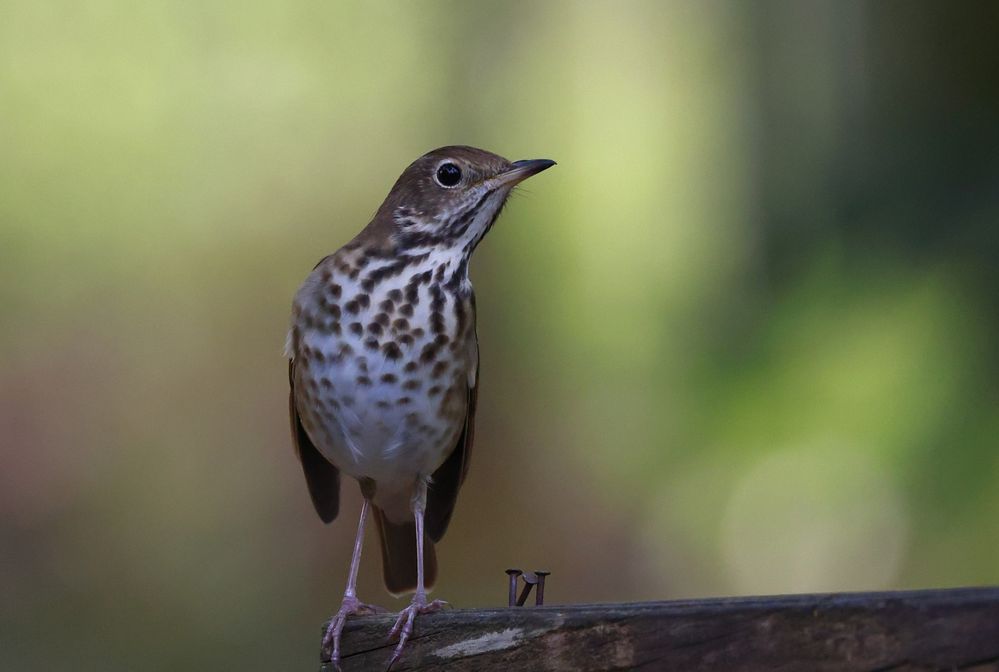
450	197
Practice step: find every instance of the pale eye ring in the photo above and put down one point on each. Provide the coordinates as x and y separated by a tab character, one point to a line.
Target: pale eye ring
448	175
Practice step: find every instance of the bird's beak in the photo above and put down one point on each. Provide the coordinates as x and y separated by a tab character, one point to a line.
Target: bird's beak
521	170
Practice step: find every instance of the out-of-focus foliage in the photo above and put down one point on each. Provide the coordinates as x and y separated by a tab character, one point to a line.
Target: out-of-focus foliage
741	340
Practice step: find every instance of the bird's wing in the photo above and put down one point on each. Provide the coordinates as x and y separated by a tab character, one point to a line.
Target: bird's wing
322	477
446	481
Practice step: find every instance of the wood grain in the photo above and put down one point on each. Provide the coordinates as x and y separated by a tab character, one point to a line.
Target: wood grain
900	631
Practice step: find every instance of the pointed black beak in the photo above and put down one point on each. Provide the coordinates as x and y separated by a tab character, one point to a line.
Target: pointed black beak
521	170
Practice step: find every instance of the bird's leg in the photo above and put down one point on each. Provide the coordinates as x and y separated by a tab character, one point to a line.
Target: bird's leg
404	624
350	604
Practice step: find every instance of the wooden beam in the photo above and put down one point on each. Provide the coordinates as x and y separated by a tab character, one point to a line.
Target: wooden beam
919	630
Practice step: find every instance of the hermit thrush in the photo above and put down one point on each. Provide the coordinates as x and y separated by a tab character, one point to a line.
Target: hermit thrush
384	367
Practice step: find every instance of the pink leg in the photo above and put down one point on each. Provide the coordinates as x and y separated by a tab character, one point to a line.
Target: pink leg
350	604
404	624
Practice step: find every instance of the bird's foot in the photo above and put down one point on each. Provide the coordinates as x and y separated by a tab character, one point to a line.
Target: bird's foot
331	640
404	624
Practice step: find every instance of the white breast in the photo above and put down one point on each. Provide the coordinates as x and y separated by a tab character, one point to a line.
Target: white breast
367	409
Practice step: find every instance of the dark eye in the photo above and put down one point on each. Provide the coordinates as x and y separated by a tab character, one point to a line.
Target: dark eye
448	174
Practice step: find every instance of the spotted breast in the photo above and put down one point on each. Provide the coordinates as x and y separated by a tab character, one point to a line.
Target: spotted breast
383	397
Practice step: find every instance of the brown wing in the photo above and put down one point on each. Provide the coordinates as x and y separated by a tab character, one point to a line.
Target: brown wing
322	477
446	481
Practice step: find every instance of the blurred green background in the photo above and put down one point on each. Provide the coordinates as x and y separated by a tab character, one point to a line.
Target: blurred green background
741	340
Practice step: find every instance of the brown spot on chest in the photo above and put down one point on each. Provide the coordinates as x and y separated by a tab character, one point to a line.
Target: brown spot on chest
332	309
429	353
344	351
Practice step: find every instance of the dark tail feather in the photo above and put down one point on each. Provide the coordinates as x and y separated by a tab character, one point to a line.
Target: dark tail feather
398	542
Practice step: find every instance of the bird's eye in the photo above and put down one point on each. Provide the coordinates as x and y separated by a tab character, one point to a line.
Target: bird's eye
448	175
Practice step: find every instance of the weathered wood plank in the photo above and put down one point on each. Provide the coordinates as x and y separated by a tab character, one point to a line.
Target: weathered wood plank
919	630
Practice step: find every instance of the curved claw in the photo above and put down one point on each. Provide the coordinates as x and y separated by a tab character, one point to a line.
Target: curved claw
404	624
331	640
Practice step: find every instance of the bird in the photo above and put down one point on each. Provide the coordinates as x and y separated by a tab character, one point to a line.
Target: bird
384	369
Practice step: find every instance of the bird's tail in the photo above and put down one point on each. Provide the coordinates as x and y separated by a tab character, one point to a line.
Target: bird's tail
398	542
